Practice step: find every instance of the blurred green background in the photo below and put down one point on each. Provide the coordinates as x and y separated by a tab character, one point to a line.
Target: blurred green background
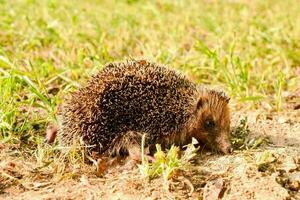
47	47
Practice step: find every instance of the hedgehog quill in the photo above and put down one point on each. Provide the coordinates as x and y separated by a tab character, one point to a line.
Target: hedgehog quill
127	100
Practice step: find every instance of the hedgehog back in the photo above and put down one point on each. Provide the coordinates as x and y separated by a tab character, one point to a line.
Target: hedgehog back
133	96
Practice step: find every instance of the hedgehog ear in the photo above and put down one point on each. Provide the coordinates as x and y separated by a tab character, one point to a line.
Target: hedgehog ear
227	99
200	103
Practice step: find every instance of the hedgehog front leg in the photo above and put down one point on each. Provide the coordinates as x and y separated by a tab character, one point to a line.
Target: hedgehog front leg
134	145
131	141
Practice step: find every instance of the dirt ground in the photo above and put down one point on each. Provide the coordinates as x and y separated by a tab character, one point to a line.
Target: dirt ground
242	175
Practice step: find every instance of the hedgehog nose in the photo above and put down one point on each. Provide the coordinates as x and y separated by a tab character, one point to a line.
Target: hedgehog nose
228	150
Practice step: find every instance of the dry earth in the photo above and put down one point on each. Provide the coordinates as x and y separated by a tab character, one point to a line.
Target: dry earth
270	172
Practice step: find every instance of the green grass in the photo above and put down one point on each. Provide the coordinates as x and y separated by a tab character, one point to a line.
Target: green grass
47	48
169	164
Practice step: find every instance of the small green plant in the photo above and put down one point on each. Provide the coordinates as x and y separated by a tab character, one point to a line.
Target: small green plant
241	140
240	134
167	164
264	161
279	84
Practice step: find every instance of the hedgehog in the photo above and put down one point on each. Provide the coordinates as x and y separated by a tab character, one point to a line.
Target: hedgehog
135	99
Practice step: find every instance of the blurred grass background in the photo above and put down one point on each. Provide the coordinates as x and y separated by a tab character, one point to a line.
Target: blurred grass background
47	47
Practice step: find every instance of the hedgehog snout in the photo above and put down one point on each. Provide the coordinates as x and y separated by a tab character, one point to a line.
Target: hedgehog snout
224	144
227	150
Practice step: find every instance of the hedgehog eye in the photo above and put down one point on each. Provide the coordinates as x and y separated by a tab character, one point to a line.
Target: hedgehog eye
209	124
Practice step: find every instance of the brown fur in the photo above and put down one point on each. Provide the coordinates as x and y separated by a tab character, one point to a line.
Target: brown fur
214	106
129	99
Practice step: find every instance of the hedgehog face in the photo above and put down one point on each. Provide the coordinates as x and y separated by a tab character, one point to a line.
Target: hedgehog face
212	124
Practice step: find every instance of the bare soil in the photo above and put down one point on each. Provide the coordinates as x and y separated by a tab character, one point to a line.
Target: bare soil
241	175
